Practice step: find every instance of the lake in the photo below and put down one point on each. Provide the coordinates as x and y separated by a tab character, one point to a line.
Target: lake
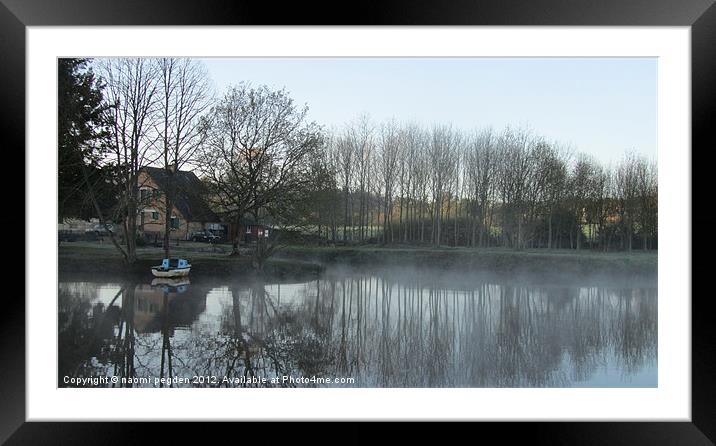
347	328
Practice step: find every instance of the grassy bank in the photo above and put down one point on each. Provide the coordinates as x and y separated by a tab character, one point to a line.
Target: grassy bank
207	261
299	261
498	260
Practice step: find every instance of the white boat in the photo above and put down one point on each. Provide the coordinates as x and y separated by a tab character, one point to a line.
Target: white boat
172	268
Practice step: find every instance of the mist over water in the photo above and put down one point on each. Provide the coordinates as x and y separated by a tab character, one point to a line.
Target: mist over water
372	328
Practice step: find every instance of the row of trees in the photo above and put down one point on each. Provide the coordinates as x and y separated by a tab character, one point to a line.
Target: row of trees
390	183
396	183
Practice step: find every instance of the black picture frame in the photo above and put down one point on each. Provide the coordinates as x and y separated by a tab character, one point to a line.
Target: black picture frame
700	15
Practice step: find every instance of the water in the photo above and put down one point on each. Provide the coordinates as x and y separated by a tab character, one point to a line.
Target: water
369	329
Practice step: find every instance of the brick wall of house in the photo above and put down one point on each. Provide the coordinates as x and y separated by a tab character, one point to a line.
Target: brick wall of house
151	219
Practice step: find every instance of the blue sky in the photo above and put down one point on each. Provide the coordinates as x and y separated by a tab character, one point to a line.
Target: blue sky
601	106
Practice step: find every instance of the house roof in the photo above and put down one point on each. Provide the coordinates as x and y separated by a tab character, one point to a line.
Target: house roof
190	193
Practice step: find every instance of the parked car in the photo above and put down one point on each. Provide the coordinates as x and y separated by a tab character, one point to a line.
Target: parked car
100	229
204	236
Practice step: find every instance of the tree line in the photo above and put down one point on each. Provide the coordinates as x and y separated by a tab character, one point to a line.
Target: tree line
404	183
387	183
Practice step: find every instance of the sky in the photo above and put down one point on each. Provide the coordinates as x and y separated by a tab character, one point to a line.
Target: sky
599	106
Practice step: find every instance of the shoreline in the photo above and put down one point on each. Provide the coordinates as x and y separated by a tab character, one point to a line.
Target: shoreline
496	260
296	262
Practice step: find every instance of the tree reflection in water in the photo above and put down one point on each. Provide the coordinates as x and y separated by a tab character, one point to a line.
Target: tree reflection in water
382	329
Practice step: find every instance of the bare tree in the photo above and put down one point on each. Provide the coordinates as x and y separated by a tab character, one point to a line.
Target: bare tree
345	154
256	156
579	185
443	146
515	164
389	152
323	194
481	168
184	96
647	186
598	209
555	183
132	92
421	176
626	188
410	141
361	134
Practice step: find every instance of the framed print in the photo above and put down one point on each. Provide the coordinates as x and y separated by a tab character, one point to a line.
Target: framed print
360	223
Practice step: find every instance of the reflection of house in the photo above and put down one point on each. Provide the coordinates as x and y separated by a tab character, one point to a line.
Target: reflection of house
183	308
149	303
190	212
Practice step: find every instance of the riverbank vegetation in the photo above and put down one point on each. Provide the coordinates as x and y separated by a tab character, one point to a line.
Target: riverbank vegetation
303	261
101	259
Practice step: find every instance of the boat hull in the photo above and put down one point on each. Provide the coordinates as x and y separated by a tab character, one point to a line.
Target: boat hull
175	272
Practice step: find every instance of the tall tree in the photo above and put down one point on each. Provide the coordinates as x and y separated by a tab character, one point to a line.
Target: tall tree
481	169
515	169
389	151
256	156
579	185
183	97
627	184
647	186
80	129
132	95
443	152
555	182
361	136
345	156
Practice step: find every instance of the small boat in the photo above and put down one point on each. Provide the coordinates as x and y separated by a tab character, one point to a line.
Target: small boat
172	268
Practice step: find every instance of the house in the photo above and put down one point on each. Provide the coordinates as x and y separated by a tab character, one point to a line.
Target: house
190	212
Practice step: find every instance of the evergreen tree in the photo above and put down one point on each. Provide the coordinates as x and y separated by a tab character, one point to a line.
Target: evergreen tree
80	128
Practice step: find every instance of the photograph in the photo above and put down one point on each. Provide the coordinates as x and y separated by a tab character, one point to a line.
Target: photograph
245	212
357	222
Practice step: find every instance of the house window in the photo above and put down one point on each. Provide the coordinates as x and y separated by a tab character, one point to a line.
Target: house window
155	215
144	194
156	193
175	223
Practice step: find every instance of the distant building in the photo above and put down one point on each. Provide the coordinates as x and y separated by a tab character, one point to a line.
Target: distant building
249	230
190	212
